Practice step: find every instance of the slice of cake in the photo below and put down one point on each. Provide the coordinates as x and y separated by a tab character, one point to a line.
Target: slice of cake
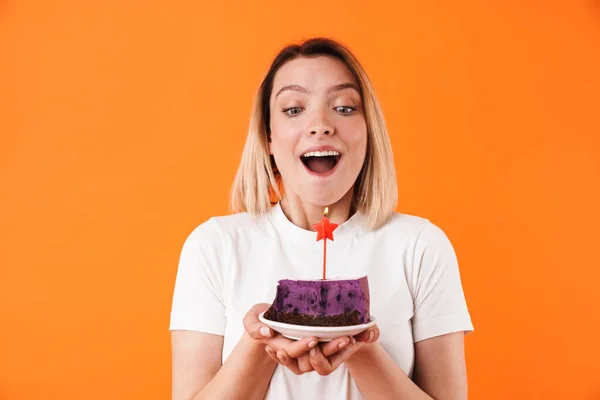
330	302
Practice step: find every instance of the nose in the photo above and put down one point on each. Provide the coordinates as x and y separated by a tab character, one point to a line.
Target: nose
321	126
321	130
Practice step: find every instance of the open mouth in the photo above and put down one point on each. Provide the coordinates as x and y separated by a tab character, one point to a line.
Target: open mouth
321	162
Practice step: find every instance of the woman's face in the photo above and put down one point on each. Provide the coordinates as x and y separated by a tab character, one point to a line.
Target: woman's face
318	129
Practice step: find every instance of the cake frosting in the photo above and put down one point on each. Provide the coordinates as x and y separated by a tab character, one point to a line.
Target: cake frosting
330	302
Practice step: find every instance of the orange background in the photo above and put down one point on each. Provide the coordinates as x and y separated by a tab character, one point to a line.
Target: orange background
122	123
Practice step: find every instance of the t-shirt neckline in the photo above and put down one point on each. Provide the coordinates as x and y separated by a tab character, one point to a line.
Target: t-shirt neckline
344	232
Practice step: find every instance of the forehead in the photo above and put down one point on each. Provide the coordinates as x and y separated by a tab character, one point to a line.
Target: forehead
317	73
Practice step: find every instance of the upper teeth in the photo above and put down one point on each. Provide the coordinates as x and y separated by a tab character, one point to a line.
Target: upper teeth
321	153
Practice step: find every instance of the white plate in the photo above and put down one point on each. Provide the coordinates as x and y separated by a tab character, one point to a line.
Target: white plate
324	333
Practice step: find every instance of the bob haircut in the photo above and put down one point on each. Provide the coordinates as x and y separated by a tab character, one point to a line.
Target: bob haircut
257	184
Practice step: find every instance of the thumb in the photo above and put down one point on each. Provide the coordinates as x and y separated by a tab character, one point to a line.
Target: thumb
256	329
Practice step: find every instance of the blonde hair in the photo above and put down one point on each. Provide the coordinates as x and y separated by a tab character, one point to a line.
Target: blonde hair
257	184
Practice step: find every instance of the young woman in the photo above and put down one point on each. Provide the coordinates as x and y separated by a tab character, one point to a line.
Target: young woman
317	138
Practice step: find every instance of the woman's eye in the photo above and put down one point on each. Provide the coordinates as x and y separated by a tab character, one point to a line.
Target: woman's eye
292	111
345	109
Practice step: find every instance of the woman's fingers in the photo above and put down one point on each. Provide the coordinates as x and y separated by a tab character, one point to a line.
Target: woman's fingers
304	364
295	349
371	335
271	354
304	355
275	348
338	358
326	365
290	353
335	345
288	362
319	362
256	329
294	355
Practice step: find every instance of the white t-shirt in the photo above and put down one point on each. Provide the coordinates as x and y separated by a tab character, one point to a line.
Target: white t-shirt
230	263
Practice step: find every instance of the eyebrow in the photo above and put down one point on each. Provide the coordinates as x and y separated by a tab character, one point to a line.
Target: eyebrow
302	89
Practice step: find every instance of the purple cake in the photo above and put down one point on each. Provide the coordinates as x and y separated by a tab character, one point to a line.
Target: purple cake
330	302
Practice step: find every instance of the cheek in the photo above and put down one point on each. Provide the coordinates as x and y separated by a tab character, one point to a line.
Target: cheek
282	146
355	135
283	136
281	143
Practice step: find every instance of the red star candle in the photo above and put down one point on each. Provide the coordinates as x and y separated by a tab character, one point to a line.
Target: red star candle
325	231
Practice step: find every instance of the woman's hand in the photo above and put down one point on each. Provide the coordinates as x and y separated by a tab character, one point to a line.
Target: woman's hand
294	354
302	363
325	359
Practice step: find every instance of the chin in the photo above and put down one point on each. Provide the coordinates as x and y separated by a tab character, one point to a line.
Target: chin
323	196
322	201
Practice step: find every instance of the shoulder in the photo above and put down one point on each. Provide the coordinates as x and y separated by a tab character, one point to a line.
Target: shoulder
418	230
218	229
405	223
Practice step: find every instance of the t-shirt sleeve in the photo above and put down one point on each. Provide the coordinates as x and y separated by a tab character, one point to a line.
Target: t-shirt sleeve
197	303
439	301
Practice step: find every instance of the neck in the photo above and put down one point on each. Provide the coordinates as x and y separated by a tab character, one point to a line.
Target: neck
304	214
